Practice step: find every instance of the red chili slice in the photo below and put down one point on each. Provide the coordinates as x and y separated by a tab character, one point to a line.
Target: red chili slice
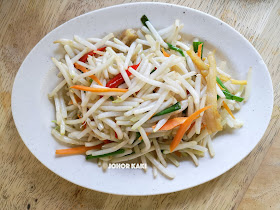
118	79
91	53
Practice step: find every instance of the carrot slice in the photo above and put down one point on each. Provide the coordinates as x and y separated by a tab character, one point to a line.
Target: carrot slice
76	150
220	86
228	109
184	127
189	129
172	123
98	90
77	99
165	53
199	50
84	69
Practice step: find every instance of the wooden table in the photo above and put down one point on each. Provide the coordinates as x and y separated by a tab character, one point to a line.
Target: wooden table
26	183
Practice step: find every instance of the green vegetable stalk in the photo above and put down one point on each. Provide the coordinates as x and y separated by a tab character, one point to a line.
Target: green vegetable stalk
88	157
227	93
144	19
172	47
170	109
195	47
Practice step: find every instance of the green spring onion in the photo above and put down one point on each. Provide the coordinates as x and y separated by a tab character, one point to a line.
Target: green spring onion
105	155
221	84
172	47
195	47
170	109
144	19
112	98
90	80
227	93
232	97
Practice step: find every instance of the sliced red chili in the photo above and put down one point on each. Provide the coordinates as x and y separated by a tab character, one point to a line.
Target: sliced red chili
118	79
107	141
91	53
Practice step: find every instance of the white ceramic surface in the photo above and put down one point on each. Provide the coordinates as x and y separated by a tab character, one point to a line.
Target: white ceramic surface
33	112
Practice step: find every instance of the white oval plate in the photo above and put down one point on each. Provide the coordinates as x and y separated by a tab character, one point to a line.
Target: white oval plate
33	111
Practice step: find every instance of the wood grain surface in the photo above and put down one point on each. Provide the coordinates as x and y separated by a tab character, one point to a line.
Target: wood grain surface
27	184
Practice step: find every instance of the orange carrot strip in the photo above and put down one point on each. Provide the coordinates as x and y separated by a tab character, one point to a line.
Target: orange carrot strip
172	123
184	127
199	50
220	86
77	99
76	150
190	127
98	90
228	109
84	69
165	53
